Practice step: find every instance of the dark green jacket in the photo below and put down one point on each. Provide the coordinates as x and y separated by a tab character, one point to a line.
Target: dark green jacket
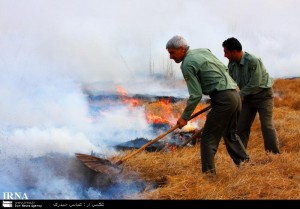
203	73
250	75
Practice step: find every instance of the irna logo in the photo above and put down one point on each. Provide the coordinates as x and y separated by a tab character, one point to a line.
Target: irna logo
15	196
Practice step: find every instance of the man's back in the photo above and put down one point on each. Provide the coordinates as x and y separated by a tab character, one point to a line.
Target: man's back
250	74
210	72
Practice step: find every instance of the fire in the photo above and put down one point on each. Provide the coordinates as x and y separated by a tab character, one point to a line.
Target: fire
121	91
158	111
156	119
126	99
170	147
132	102
161	112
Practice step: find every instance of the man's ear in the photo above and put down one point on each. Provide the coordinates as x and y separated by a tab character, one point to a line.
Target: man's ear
183	49
235	51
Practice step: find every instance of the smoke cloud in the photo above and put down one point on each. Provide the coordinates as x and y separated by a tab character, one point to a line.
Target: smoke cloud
114	41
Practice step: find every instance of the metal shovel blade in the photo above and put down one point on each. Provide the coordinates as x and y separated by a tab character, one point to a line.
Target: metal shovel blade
98	164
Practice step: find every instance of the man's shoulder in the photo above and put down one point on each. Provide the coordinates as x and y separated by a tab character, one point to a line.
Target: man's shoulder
199	50
195	55
250	57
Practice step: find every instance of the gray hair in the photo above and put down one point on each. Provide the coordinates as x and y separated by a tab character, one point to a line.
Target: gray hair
177	42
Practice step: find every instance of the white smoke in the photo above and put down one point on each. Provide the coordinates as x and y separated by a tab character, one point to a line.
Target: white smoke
116	41
44	114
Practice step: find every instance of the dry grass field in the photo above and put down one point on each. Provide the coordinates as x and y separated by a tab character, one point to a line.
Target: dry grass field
178	176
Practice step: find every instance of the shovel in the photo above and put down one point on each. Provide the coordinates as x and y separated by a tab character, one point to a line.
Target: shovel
105	166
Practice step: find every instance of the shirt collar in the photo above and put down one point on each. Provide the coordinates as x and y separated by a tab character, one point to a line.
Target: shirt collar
242	62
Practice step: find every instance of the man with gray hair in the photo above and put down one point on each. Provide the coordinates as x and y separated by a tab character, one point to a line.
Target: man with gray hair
205	74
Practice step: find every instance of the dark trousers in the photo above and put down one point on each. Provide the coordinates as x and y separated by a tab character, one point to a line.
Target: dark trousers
222	121
261	103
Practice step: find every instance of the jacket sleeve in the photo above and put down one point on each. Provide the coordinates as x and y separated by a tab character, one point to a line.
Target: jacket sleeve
195	92
252	87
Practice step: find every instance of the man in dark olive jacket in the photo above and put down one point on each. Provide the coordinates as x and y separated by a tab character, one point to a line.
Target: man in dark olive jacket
256	93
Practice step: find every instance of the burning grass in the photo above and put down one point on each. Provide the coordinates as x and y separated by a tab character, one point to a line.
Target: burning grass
177	174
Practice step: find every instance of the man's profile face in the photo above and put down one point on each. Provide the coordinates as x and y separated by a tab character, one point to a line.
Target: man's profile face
177	54
231	55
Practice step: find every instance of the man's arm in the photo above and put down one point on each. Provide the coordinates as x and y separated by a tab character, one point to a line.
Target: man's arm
252	86
195	92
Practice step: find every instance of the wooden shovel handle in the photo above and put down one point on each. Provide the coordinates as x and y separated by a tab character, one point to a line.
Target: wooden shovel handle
159	137
200	112
146	145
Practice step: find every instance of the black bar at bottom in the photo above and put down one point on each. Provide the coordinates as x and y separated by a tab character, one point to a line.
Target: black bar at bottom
244	204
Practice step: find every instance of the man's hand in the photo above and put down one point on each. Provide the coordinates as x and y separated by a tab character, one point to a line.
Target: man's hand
238	91
181	122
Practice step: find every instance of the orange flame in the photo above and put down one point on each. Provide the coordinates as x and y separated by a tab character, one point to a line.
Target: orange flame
121	91
170	147
127	100
161	111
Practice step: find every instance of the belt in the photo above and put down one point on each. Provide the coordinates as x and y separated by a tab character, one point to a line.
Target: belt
216	91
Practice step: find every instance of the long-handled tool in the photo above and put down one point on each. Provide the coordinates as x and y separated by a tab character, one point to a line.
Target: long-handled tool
105	166
194	136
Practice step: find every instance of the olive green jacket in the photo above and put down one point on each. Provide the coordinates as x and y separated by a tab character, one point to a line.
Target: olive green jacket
203	73
250	75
